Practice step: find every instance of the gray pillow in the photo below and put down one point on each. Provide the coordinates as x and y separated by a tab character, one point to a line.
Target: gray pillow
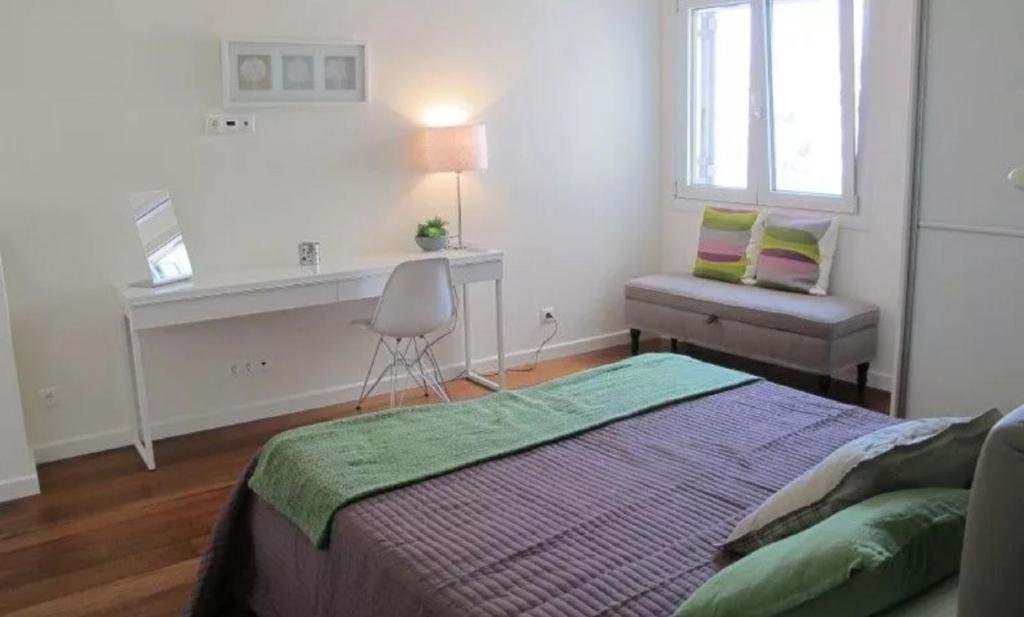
929	453
992	570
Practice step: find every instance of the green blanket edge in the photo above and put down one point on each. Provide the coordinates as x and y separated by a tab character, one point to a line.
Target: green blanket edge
427	441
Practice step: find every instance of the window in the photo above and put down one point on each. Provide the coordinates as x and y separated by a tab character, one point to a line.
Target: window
771	90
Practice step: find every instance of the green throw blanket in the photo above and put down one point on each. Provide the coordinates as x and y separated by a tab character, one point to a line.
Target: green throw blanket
309	473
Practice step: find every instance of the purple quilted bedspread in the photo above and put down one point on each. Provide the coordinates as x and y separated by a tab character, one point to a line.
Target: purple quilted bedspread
621	521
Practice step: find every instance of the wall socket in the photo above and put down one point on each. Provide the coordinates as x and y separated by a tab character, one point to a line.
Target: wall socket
226	124
547	315
248	367
49	397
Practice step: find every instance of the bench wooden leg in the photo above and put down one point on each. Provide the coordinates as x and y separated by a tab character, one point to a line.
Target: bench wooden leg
675	345
824	383
862	376
634	341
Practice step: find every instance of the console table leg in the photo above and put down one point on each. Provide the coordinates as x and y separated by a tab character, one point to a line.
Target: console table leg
142	437
466	342
472	375
500	325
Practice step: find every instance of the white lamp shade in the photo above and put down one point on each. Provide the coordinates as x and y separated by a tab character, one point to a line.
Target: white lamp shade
455	148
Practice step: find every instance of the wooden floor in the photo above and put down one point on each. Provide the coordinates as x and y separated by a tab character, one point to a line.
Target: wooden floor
107	537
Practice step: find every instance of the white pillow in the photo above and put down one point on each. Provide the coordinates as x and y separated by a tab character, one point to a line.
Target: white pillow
930	453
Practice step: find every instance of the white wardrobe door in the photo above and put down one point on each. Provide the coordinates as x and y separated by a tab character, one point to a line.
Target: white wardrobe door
967	337
17	467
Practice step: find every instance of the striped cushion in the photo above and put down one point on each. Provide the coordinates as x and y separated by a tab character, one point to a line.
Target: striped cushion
796	253
726	251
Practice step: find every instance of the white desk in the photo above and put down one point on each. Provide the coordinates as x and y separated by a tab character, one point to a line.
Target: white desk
250	292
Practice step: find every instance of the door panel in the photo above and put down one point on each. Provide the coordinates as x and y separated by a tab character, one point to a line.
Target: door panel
966	349
967	346
974	117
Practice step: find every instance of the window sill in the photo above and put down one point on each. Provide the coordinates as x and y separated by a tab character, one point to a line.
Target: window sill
852	221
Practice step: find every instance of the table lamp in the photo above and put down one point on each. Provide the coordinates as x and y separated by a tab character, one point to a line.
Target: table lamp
456	149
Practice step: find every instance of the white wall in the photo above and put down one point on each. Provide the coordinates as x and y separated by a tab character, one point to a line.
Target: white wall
17	468
105	97
871	247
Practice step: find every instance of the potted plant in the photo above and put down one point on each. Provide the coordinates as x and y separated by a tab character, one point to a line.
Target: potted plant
432	235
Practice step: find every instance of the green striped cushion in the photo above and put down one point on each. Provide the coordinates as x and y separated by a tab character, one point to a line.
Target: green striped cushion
724	251
796	253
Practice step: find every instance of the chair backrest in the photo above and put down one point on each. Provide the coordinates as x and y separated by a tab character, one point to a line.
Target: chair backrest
418	299
992	570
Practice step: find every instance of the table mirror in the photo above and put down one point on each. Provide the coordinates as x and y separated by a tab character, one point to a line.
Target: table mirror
161	238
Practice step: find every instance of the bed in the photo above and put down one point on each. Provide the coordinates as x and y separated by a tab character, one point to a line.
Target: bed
621	520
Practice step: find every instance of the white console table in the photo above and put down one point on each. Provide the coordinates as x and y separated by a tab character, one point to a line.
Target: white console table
250	292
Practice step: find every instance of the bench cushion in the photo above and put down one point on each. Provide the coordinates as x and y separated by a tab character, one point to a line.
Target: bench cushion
825	317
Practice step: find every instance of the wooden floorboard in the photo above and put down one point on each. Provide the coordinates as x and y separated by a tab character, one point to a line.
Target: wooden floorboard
107	537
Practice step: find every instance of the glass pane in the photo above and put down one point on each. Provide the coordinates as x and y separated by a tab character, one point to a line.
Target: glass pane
807	125
720	95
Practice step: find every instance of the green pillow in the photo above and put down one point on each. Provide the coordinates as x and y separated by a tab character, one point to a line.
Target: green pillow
728	242
856	563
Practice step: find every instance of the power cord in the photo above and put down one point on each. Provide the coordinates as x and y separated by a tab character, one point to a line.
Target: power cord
536	355
532	366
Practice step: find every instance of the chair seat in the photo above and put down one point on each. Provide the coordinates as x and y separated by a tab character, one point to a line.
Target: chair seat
821	317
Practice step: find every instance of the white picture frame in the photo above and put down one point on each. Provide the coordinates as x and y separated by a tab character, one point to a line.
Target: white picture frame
283	72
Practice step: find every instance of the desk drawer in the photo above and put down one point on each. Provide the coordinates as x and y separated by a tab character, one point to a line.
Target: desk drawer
233	305
477	272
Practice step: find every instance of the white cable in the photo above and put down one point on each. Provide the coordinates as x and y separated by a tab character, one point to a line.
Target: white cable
520	369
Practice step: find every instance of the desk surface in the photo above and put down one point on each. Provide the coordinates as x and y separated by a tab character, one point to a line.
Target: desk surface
214	284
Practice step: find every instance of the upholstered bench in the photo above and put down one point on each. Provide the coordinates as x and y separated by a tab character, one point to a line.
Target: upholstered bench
814	334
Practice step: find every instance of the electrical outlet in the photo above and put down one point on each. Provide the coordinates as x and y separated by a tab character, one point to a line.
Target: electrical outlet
547	315
49	397
230	123
257	366
248	367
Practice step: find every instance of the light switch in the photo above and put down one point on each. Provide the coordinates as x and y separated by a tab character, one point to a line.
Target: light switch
224	124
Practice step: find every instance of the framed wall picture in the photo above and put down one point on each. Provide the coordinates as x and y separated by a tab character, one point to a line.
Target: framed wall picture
261	72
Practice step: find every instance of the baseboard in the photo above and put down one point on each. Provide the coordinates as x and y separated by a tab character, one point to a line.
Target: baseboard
81	445
259	410
16	488
347	393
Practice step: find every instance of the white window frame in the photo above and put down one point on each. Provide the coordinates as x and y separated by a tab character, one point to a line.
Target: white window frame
759	191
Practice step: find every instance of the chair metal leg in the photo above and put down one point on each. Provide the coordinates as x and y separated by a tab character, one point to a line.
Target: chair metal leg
438	375
409	358
364	393
419	356
437	378
394	373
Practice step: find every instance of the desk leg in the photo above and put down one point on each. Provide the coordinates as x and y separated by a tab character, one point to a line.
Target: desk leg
466	342
142	436
472	375
499	323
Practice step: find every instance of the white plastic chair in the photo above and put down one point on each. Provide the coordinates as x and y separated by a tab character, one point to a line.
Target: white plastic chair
418	299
